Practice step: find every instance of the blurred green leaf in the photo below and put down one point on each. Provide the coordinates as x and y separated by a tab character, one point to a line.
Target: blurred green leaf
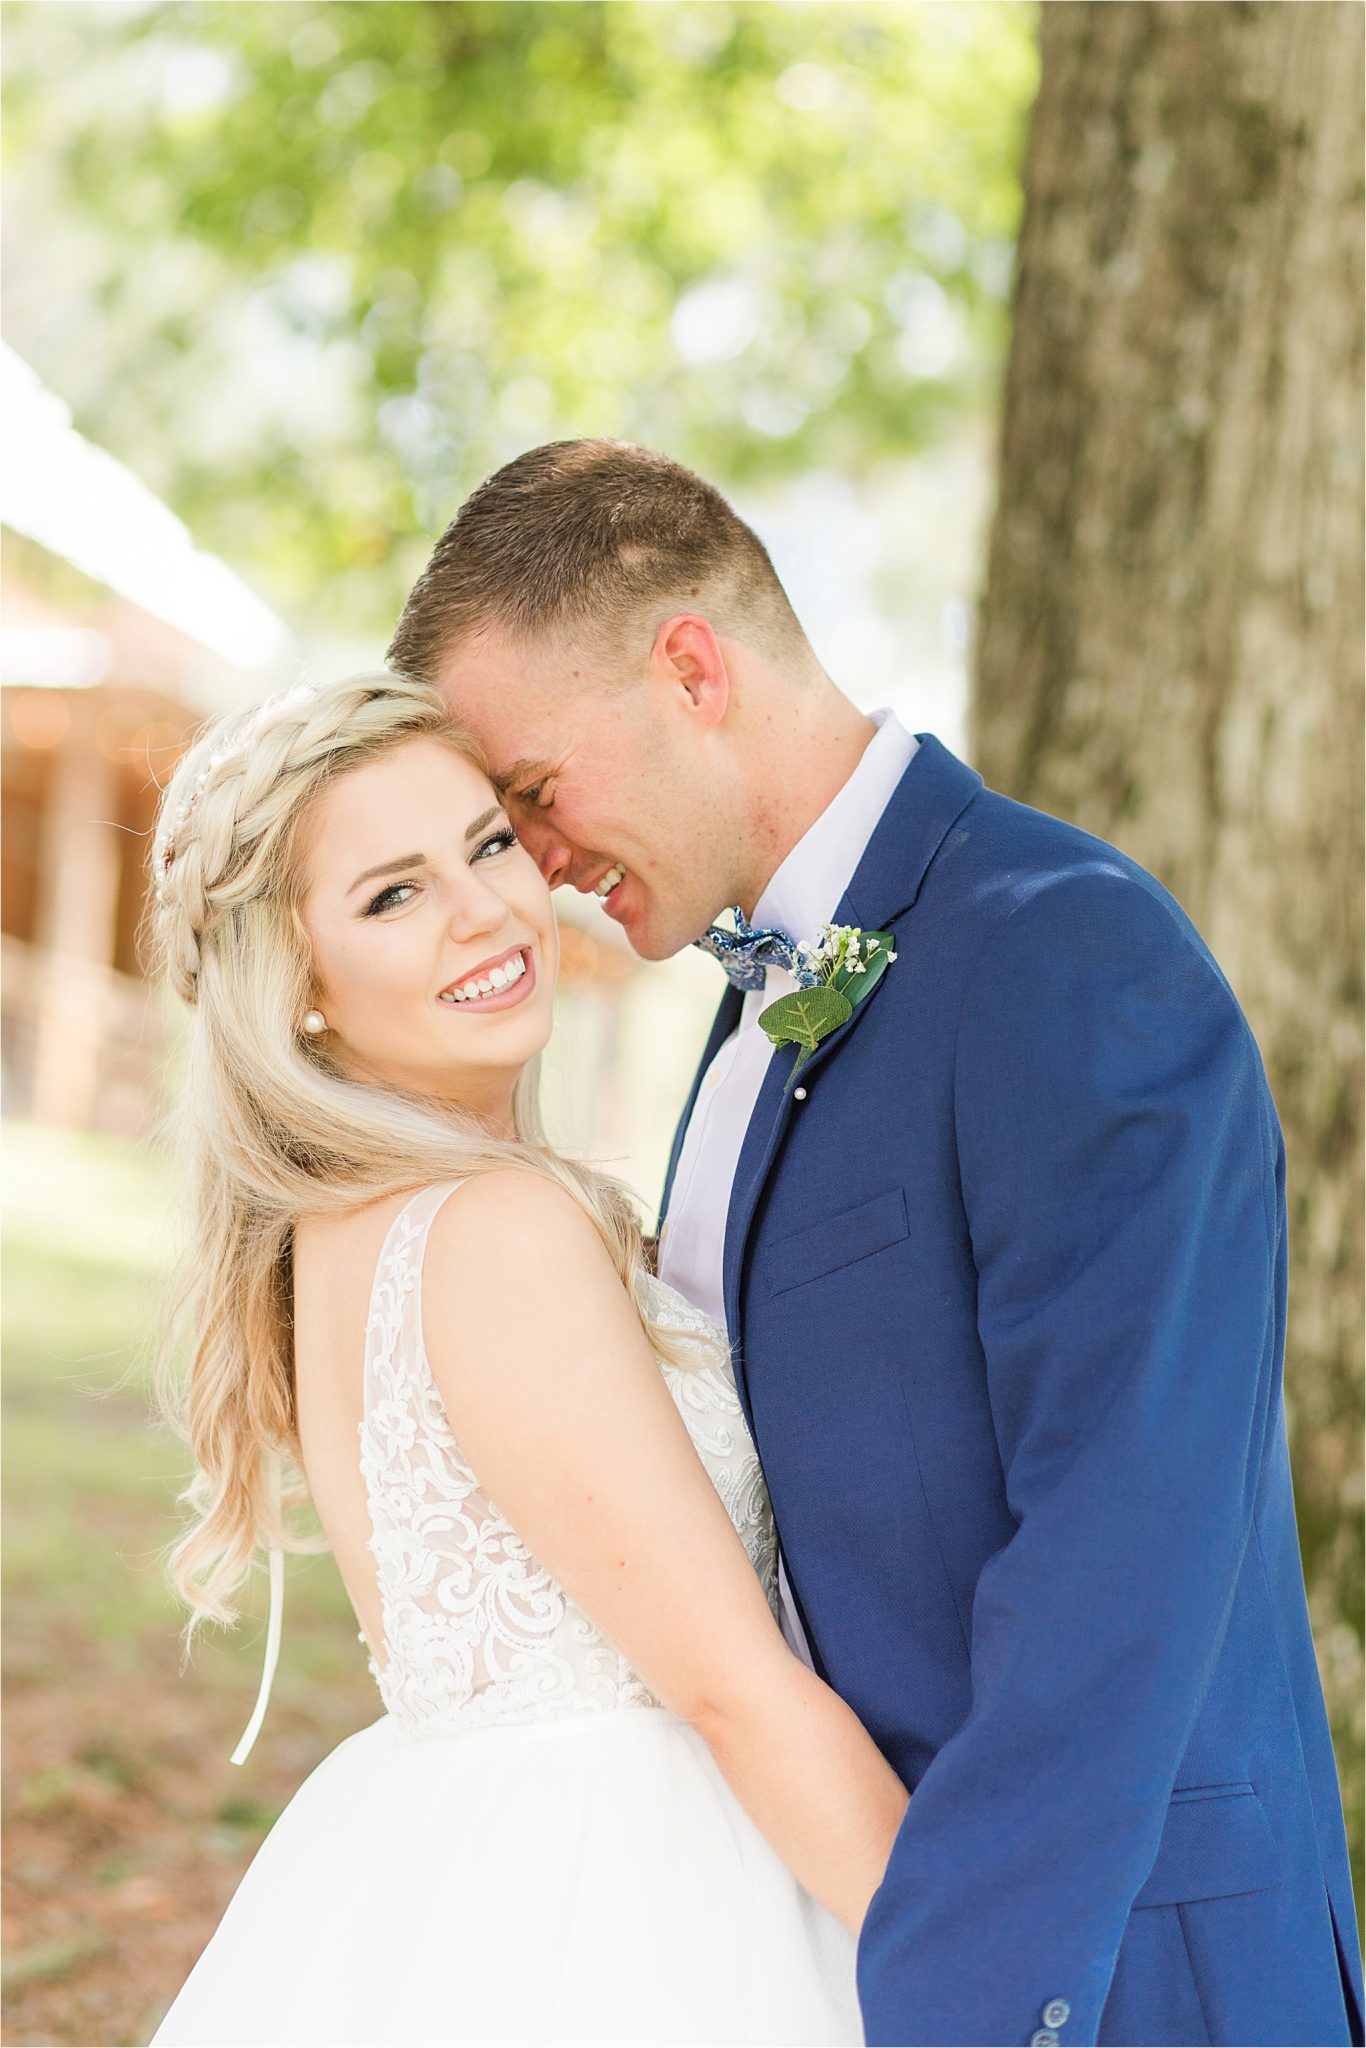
315	270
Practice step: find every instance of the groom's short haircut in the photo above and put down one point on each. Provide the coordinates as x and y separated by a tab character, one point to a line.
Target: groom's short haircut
594	541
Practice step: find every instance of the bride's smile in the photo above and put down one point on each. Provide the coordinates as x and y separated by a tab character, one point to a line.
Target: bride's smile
404	942
495	984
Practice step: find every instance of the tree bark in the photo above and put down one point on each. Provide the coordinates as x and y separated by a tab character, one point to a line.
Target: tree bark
1170	644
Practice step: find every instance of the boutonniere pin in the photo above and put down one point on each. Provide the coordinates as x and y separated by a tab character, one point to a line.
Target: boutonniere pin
842	967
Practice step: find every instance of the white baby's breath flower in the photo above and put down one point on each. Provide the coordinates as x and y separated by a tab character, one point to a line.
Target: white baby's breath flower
825	1003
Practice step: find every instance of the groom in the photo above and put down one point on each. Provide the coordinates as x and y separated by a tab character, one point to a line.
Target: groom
1004	1272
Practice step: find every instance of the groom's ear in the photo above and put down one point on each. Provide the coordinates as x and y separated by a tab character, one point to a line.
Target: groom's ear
686	660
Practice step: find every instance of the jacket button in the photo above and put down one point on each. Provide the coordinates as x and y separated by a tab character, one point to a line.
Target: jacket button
799	1095
1057	2013
1045	2038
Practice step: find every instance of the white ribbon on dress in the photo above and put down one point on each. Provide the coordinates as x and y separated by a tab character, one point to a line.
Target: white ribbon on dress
273	1628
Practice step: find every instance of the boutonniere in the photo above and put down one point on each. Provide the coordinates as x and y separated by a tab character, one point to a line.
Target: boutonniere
844	965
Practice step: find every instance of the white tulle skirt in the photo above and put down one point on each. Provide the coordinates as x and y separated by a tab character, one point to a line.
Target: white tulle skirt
590	1880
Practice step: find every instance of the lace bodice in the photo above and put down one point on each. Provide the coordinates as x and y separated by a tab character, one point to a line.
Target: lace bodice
476	1631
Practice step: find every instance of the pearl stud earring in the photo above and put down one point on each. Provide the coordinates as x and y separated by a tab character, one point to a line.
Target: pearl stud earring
314	1022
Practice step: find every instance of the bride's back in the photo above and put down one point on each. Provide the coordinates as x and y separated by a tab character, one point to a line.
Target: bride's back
335	1258
464	1624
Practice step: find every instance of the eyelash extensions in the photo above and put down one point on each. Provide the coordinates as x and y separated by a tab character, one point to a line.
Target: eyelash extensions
381	902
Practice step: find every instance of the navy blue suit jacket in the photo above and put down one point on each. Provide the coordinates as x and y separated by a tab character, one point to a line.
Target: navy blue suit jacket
1007	1294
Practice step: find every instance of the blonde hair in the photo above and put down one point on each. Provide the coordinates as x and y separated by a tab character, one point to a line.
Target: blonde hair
270	1130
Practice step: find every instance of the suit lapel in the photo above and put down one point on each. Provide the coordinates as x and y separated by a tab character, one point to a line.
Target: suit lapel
899	855
932	794
927	802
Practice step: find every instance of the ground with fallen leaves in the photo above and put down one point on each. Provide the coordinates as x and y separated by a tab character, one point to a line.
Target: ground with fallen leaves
126	1828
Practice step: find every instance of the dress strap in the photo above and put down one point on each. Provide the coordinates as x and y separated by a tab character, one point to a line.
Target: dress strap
420	1211
390	1314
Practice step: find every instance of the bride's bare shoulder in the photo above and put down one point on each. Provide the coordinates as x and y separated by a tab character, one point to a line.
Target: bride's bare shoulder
325	1243
491	1202
512	1221
515	1255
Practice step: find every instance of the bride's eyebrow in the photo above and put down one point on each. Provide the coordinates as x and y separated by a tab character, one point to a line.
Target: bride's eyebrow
419	860
487	817
389	867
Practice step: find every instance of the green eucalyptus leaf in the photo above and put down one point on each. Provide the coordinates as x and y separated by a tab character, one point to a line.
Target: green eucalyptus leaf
806	1017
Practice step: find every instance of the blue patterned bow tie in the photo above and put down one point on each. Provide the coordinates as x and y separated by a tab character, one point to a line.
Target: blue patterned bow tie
746	954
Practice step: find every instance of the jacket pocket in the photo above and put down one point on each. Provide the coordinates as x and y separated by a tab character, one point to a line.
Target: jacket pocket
838	1241
1217	1842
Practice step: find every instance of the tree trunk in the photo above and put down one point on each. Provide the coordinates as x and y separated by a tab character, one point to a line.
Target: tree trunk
1170	646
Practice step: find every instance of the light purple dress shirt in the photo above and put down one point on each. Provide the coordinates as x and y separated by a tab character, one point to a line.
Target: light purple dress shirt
803	895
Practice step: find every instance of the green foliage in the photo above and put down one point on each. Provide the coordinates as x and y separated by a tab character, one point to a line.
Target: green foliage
803	1020
56	1959
315	270
858	985
806	1017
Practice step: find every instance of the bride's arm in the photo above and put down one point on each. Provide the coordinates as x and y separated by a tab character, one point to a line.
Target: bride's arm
562	1413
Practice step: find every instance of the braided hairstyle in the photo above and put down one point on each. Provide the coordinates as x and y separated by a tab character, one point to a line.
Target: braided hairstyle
269	1129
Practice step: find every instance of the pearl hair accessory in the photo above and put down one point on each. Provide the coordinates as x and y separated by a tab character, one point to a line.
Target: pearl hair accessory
174	825
314	1022
296	699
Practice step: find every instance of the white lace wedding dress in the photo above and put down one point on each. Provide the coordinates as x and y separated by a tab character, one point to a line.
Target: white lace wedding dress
526	1846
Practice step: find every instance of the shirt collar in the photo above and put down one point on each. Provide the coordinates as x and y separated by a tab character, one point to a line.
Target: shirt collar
805	891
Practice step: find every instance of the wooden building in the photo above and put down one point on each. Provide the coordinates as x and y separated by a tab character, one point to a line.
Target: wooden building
97	700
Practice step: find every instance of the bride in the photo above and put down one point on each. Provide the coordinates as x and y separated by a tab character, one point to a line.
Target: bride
604	1802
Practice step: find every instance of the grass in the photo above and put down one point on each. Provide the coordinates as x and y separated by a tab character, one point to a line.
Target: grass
126	1826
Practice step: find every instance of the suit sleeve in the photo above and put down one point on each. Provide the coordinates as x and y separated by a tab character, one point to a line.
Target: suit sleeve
1118	1160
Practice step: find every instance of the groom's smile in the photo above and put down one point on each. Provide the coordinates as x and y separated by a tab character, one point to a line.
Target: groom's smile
607	769
650	709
